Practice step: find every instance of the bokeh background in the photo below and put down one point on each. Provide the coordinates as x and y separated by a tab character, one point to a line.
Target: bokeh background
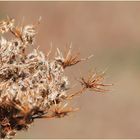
110	31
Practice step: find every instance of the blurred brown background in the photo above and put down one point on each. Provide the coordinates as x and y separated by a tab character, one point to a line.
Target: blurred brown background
110	31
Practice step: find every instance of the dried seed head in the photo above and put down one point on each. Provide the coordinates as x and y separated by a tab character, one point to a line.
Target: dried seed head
94	82
32	85
70	59
6	25
28	33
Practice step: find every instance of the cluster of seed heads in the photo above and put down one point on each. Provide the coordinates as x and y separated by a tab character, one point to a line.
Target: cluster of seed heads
32	85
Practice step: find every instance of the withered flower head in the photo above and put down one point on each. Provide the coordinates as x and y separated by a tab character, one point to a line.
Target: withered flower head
32	86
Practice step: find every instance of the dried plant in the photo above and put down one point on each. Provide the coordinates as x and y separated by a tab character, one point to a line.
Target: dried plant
32	85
